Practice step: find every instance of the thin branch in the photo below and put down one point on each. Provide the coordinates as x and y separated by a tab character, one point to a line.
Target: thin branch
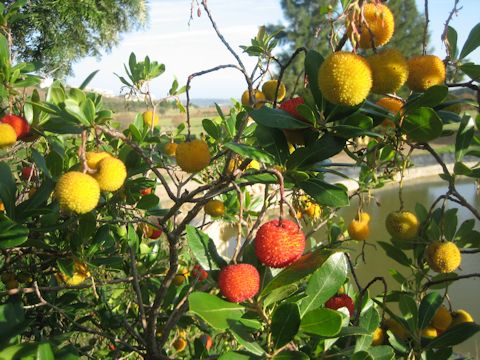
136	286
441	281
425	30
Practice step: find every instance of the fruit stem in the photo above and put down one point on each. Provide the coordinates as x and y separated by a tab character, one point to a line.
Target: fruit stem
281	183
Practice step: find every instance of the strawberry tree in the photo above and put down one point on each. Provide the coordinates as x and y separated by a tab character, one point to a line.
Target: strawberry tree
104	245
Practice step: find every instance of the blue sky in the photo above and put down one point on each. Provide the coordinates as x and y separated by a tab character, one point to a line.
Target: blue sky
187	49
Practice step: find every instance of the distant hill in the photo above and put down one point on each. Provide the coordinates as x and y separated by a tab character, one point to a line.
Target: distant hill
210	102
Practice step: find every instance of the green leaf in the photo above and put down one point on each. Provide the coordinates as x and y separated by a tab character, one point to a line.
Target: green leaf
215	311
361	355
88	109
4	48
276	118
452	37
433	96
301	268
322	322
471	70
324	193
455	335
422	125
285	324
428	308
204	249
382	352
273	141
408	307
11	233
291	355
45	352
250	152
244	338
473	41
313	60
395	253
279	294
237	355
148	202
40	162
464	138
369	319
88	79
11	320
324	283
19	351
8	188
66	266
212	129
322	149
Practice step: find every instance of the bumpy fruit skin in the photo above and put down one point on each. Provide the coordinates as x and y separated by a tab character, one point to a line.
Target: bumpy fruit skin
378	336
193	156
214	208
180	344
2	206
442	319
358	230
239	282
443	257
93	158
429	332
270	87
199	272
337	83
111	174
339	301
148	116
425	71
8	136
279	244
396	328
77	192
389	71
393	105
290	106
313	211
80	274
402	225
179	279
259	98
380	23
28	173
21	126
460	317
170	149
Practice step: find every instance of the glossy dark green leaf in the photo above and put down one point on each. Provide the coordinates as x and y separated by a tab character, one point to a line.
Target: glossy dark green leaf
301	268
45	352
471	70
215	311
455	335
291	355
313	60
324	193
11	320
276	118
322	322
422	125
273	141
362	355
204	249
428	308
285	324
212	129
11	233
382	352
321	149
464	138
88	79
250	152
244	338
148	202
395	253
279	294
40	162
431	97
452	37
324	283
473	41
65	265
408	307
8	188
369	319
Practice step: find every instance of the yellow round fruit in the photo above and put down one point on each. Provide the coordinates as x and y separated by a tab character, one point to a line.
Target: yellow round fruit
379	23
269	88
80	274
214	208
378	336
442	319
359	230
180	344
337	83
443	257
93	158
396	328
77	192
8	136
111	174
170	149
391	104
364	216
389	71
402	225
313	211
149	117
429	332
425	71
254	165
460	317
193	156
259	99
179	279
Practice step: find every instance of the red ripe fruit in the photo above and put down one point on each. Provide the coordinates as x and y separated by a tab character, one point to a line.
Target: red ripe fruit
342	300
27	173
290	106
18	123
156	233
239	282
199	272
146	191
207	341
279	244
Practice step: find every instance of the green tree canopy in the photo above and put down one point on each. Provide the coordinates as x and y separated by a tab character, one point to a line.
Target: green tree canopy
58	33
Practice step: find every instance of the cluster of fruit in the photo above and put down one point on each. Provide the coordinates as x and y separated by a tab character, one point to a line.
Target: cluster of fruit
13	128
